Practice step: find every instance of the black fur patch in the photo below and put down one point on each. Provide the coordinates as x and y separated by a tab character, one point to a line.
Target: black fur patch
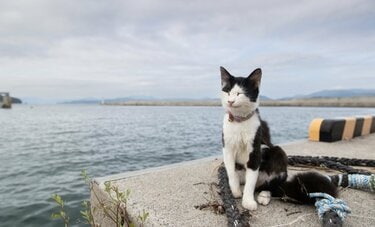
344	180
229	85
239	166
274	160
266	136
255	156
304	183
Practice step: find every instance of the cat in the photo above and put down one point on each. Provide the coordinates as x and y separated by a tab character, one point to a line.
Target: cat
248	153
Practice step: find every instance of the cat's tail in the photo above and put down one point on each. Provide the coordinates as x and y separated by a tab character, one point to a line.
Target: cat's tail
298	187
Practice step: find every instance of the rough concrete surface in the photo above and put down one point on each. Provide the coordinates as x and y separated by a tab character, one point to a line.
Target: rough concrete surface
170	193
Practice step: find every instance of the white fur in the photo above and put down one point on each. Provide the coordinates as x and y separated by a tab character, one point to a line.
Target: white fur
238	138
264	197
290	177
242	176
248	200
234	182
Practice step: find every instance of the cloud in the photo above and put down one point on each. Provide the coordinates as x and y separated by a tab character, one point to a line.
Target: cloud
174	48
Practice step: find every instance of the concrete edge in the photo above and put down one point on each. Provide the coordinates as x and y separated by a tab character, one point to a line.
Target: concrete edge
123	175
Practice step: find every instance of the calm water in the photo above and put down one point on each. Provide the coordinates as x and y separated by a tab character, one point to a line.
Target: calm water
44	148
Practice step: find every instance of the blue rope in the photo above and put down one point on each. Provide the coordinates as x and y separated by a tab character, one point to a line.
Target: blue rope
360	181
325	202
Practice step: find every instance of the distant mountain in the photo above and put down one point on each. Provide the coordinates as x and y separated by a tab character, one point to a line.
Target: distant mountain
40	101
130	98
140	98
82	101
337	93
262	97
14	100
342	93
112	100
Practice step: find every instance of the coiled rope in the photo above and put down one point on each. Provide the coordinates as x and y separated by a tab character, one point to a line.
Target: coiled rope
326	203
340	164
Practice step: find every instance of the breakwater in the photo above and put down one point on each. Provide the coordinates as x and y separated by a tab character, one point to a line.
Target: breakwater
311	102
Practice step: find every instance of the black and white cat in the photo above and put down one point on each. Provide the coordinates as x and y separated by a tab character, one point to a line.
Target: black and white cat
248	151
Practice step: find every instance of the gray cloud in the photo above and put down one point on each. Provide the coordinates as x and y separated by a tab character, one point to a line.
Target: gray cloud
171	49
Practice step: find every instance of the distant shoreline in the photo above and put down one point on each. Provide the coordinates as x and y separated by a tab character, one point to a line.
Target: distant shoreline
324	102
164	103
311	102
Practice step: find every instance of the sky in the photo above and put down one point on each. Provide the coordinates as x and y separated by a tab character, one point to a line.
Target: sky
73	49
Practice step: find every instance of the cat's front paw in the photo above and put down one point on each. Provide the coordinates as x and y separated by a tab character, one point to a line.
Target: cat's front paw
236	193
249	204
264	197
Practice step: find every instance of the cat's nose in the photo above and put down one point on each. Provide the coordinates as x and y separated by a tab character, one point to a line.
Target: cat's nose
230	102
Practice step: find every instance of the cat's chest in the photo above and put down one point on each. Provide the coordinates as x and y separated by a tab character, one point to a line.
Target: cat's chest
240	135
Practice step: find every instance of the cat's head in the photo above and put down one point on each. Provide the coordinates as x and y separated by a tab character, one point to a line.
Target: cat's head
240	94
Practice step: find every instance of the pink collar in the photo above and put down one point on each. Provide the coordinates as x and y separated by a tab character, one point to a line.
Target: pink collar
239	118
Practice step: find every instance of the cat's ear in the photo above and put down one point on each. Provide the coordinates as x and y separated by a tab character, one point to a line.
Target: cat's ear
225	77
255	77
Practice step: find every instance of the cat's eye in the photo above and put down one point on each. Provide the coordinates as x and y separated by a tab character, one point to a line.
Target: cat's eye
238	93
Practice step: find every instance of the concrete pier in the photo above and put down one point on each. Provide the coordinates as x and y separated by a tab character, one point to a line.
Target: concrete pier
171	193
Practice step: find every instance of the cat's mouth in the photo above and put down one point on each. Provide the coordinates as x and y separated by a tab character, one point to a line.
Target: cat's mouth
234	107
